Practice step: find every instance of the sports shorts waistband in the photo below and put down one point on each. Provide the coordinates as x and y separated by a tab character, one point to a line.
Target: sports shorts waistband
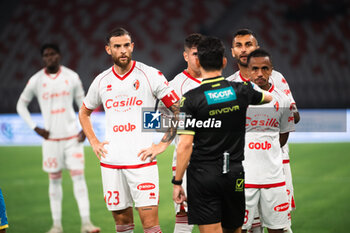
127	166
62	139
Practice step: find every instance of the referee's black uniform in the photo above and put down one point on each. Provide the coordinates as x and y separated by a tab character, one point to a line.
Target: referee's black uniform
215	176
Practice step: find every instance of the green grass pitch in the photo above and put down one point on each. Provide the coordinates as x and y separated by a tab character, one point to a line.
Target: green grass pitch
321	176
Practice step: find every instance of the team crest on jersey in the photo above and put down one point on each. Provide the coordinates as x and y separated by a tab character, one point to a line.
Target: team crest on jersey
66	81
44	84
276	106
136	84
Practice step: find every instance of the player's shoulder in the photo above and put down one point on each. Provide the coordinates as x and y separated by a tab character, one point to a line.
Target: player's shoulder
104	74
37	76
146	68
281	96
179	78
277	77
234	77
69	73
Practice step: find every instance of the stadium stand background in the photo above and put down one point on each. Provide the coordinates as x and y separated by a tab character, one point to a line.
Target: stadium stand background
308	40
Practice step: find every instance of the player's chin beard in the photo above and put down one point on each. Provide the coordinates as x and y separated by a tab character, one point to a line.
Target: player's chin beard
242	64
122	65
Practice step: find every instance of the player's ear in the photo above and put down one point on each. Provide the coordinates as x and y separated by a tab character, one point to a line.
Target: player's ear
185	56
108	49
224	62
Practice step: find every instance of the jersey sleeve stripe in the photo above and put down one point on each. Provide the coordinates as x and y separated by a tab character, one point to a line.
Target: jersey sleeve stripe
87	107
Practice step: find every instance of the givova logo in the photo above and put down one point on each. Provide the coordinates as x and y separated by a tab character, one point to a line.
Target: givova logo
151	119
220	95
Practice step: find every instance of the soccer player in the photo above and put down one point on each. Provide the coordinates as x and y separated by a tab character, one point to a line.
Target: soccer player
215	177
244	42
183	82
129	172
267	130
3	217
55	86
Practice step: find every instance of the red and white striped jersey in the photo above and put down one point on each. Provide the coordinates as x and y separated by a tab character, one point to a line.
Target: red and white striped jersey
55	94
263	154
123	99
182	83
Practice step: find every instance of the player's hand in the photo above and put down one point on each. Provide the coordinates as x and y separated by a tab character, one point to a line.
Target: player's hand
81	136
42	132
152	151
179	194
99	149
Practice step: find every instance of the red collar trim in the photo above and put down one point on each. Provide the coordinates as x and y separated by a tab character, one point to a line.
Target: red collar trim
189	76
57	74
125	75
272	88
243	79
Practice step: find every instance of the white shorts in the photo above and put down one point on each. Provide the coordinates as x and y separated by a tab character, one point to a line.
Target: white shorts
122	187
272	204
289	184
64	154
178	207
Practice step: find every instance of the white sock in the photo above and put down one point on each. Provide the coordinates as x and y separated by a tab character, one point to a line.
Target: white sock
155	229
125	228
257	229
288	230
81	196
55	196
181	225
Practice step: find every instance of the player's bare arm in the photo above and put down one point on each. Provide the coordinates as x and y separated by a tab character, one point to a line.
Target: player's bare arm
284	138
42	132
168	137
184	151
85	121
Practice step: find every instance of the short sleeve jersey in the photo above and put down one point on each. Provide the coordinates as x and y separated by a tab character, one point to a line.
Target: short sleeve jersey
182	83
218	100
123	98
280	83
55	94
263	154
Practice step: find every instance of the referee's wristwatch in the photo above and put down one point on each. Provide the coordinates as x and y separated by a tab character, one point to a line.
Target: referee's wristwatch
176	182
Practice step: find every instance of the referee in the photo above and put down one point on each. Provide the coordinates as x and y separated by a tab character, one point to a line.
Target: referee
212	142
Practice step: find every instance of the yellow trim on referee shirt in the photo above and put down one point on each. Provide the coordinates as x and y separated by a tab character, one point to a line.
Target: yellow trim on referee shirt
262	98
4	226
211	81
188	132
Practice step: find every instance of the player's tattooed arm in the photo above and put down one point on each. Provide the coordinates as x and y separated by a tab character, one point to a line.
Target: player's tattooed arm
168	137
171	132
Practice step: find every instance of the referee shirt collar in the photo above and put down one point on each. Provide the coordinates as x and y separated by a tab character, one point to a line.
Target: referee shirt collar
212	80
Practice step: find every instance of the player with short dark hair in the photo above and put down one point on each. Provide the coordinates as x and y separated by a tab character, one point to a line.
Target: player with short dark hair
129	172
243	43
265	186
211	144
56	87
183	82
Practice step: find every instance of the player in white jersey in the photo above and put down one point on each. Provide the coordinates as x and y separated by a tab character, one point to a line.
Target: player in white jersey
183	82
267	130
244	42
56	87
129	172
